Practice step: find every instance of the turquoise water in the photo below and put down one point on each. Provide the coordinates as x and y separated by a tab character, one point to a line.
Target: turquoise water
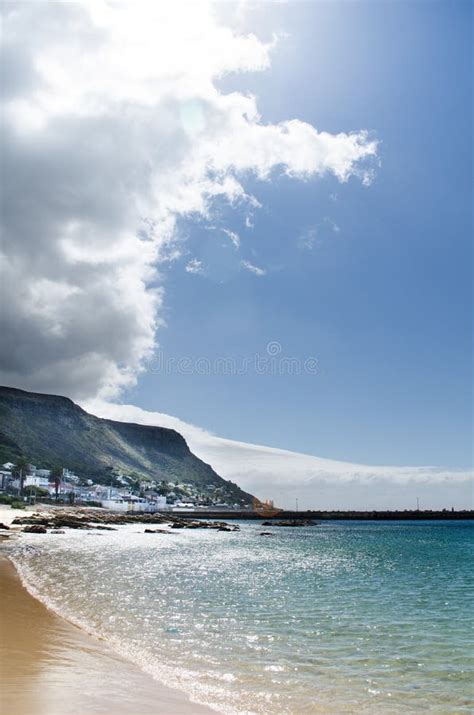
342	617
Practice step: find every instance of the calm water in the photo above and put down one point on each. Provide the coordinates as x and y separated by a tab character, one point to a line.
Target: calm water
346	617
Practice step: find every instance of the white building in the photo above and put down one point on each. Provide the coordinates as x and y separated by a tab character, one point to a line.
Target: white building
160	502
33	480
184	506
129	504
69	476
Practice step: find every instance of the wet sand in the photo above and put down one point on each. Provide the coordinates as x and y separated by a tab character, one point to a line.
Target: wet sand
50	667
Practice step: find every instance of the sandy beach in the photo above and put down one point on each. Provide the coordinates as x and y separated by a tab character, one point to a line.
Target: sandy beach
50	667
7	514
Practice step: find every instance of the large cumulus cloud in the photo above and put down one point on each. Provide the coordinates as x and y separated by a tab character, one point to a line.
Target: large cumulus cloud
113	127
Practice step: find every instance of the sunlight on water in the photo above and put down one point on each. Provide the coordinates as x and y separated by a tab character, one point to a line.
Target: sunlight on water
347	617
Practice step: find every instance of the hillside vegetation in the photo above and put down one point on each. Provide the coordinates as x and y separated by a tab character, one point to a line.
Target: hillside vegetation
50	430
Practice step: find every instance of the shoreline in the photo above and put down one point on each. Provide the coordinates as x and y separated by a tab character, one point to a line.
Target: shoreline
48	666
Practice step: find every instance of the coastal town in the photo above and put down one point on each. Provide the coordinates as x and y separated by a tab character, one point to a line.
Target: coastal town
27	483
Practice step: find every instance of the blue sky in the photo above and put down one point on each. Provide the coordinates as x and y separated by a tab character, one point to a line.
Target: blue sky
181	187
383	303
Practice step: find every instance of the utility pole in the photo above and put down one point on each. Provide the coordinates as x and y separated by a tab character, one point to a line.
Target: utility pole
417	504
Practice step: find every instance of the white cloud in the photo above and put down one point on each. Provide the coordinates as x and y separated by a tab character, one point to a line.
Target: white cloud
310	237
194	266
234	237
113	128
332	225
307	238
315	481
252	269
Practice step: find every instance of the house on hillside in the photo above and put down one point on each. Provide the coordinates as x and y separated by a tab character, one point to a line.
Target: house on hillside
34	480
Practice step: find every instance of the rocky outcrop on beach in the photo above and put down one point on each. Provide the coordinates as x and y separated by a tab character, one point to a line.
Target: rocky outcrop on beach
95	519
35	529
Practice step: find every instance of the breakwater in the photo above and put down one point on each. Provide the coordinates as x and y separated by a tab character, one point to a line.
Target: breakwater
408	515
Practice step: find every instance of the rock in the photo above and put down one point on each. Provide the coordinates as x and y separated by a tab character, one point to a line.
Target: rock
157	531
35	529
101	527
4	526
86	518
57	531
266	533
34	519
71	524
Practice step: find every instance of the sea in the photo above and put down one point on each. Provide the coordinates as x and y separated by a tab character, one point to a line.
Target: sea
341	617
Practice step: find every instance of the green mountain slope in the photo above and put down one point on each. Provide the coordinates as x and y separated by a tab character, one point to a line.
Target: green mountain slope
50	430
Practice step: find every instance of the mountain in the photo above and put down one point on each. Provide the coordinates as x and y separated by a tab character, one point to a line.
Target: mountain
50	431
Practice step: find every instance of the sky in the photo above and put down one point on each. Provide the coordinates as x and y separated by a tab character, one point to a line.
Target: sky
255	219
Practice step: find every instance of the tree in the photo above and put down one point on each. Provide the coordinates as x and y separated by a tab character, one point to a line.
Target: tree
56	474
20	470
